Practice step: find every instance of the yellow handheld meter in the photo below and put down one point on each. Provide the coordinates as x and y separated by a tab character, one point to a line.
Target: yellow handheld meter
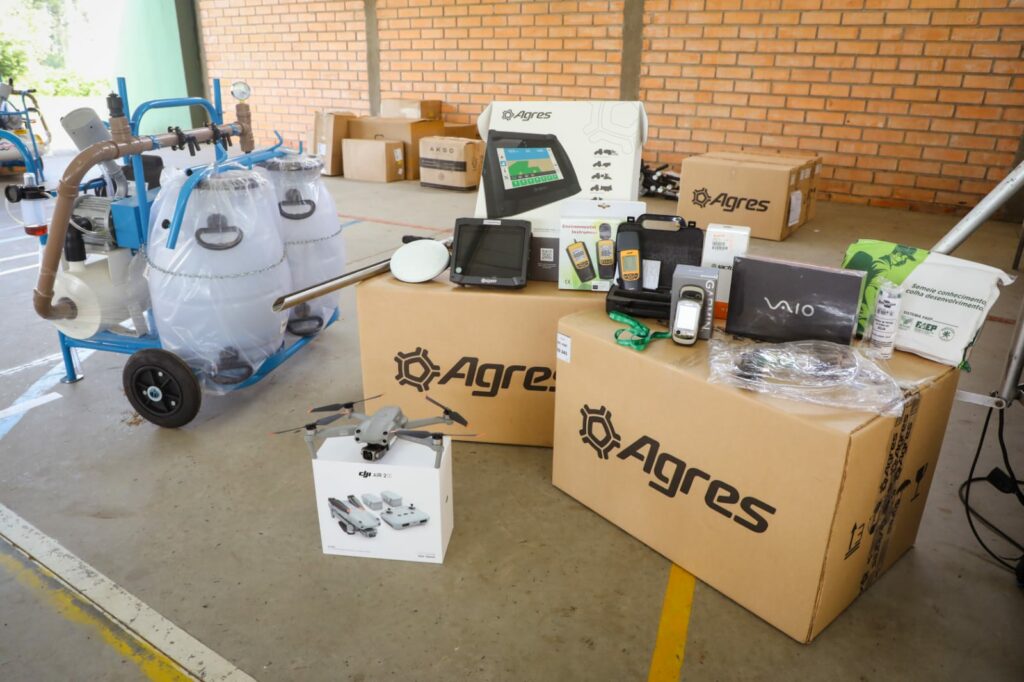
627	244
605	252
580	258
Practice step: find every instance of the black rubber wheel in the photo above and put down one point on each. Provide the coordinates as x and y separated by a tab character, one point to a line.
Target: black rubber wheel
161	388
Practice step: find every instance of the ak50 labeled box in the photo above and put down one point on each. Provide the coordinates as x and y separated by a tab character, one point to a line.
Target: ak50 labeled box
788	508
763	194
540	154
488	354
399	507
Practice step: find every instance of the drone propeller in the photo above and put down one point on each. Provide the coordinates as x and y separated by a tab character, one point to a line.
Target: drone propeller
450	413
322	421
429	434
334	407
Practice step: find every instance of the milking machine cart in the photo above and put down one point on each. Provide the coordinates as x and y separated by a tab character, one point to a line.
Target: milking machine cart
179	269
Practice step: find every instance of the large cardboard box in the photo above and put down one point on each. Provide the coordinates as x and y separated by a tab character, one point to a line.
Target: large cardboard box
807	181
790	509
540	154
411	108
763	194
399	507
450	162
329	129
468	130
409	131
488	354
374	160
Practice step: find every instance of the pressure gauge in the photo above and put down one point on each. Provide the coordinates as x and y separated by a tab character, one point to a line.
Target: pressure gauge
240	90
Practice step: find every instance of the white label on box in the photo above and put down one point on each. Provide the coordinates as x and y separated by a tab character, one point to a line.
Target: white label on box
398	154
805	173
321	149
796	199
651	274
563	347
547	255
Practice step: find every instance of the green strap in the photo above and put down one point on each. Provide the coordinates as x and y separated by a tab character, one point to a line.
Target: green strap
636	335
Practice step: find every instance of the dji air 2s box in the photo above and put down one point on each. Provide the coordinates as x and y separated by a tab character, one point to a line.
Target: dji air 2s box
775	300
540	154
487	353
790	509
586	242
399	507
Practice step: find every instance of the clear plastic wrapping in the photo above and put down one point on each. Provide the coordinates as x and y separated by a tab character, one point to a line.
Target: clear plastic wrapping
212	294
819	372
309	225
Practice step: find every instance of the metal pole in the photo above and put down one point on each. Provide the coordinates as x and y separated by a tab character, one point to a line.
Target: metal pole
999	195
1014	363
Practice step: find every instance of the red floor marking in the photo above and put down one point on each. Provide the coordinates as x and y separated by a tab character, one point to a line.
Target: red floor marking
392	222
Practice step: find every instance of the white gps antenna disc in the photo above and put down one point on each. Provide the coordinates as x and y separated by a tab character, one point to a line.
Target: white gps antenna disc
419	261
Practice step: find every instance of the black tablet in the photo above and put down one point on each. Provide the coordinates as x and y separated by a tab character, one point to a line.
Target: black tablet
524	171
491	253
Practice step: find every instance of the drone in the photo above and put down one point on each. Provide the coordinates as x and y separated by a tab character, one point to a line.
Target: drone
377	432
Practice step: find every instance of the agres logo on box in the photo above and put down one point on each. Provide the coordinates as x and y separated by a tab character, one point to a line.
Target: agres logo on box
671	475
417	369
729	202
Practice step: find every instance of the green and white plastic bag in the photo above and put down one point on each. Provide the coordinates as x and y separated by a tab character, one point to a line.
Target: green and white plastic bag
945	299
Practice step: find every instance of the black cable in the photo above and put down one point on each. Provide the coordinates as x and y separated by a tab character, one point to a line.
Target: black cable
967	498
984	521
1006	457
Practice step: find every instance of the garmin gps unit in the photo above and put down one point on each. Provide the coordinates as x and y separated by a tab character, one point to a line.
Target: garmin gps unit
524	171
490	253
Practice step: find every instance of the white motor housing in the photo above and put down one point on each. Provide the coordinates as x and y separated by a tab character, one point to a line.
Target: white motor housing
213	293
106	289
309	225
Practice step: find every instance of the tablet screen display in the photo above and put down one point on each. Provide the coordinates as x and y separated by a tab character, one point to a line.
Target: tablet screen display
490	251
527	166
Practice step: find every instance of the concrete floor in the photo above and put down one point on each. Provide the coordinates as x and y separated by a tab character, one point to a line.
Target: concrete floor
214	526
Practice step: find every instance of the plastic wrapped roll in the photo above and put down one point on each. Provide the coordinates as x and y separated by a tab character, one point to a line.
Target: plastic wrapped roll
308	221
212	294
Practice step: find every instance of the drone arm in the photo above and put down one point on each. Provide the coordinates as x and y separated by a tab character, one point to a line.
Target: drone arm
428	421
436	445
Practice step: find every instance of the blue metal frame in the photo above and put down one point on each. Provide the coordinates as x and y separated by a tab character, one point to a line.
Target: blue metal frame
33	159
138	206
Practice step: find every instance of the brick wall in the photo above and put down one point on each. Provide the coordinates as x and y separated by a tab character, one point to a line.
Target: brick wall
471	53
299	57
913	103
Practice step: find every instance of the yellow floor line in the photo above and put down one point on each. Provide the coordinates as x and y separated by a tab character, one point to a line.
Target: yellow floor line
667	660
51	591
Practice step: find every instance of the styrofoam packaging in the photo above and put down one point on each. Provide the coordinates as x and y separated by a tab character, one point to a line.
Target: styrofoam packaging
722	244
405	476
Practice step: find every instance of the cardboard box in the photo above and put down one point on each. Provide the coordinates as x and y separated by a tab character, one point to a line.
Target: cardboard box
374	160
567	150
486	353
414	526
807	180
722	244
788	508
762	194
450	162
411	108
409	131
467	130
329	129
587	236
